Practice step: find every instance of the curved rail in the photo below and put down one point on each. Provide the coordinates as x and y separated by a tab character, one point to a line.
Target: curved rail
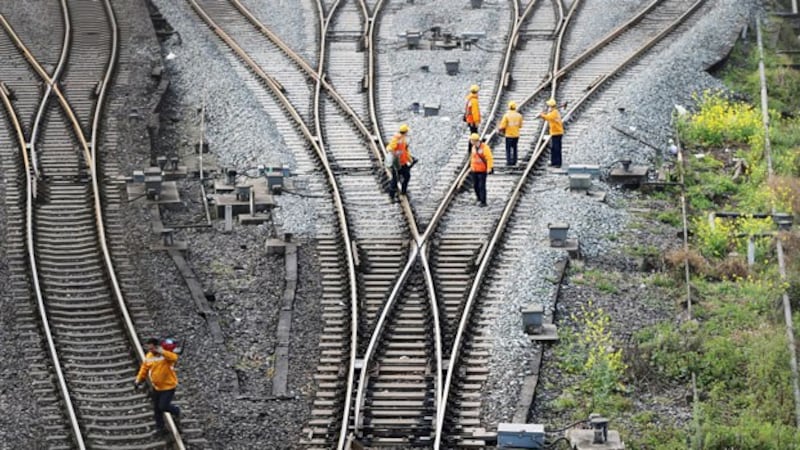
417	251
62	60
51	346
511	206
89	150
315	143
376	145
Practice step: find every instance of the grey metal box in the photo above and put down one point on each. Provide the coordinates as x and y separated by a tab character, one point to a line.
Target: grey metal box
520	435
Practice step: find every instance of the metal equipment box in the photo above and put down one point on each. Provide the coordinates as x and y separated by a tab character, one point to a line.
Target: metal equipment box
520	435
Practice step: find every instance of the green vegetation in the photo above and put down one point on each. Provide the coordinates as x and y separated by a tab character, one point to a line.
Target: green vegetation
592	355
735	344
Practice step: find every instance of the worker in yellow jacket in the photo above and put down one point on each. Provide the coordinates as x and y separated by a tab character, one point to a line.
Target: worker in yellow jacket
159	365
553	118
472	112
509	126
481	164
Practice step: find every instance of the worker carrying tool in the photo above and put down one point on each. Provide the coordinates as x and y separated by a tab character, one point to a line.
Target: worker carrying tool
553	118
399	161
510	126
472	111
482	164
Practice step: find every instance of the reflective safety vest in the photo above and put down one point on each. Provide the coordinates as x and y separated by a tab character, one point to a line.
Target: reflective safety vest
399	146
472	111
553	118
481	161
511	123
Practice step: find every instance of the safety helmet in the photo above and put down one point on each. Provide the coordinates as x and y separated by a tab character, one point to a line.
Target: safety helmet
404	128
474	137
551	102
474	88
512	105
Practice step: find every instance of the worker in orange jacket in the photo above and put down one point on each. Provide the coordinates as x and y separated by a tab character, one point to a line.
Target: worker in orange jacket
472	112
401	161
482	164
553	118
509	126
159	365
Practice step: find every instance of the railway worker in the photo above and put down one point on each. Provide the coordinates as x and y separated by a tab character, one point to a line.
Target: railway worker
481	163
401	161
159	365
472	112
553	118
509	126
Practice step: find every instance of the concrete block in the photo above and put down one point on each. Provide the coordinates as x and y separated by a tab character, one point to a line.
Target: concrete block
275	246
451	66
580	182
532	317
558	233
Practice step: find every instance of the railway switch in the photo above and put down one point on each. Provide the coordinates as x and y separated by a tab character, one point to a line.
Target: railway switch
520	435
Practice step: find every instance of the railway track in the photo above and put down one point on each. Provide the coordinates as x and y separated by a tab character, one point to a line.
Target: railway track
354	155
90	336
397	392
495	272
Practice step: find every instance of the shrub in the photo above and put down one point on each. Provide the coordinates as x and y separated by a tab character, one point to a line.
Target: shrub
713	240
720	122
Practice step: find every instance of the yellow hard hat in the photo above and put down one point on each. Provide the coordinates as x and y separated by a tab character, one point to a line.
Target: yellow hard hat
474	137
474	88
551	102
512	105
404	128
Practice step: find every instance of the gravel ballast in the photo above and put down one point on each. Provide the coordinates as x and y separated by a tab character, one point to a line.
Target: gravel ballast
226	387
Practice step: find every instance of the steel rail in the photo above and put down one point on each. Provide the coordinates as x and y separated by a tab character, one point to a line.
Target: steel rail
89	149
345	422
417	250
450	195
111	271
372	137
29	205
315	143
62	60
376	144
515	196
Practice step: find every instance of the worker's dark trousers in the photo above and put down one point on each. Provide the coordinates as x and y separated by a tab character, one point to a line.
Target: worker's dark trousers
479	182
402	176
404	173
162	402
511	151
555	150
472	129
